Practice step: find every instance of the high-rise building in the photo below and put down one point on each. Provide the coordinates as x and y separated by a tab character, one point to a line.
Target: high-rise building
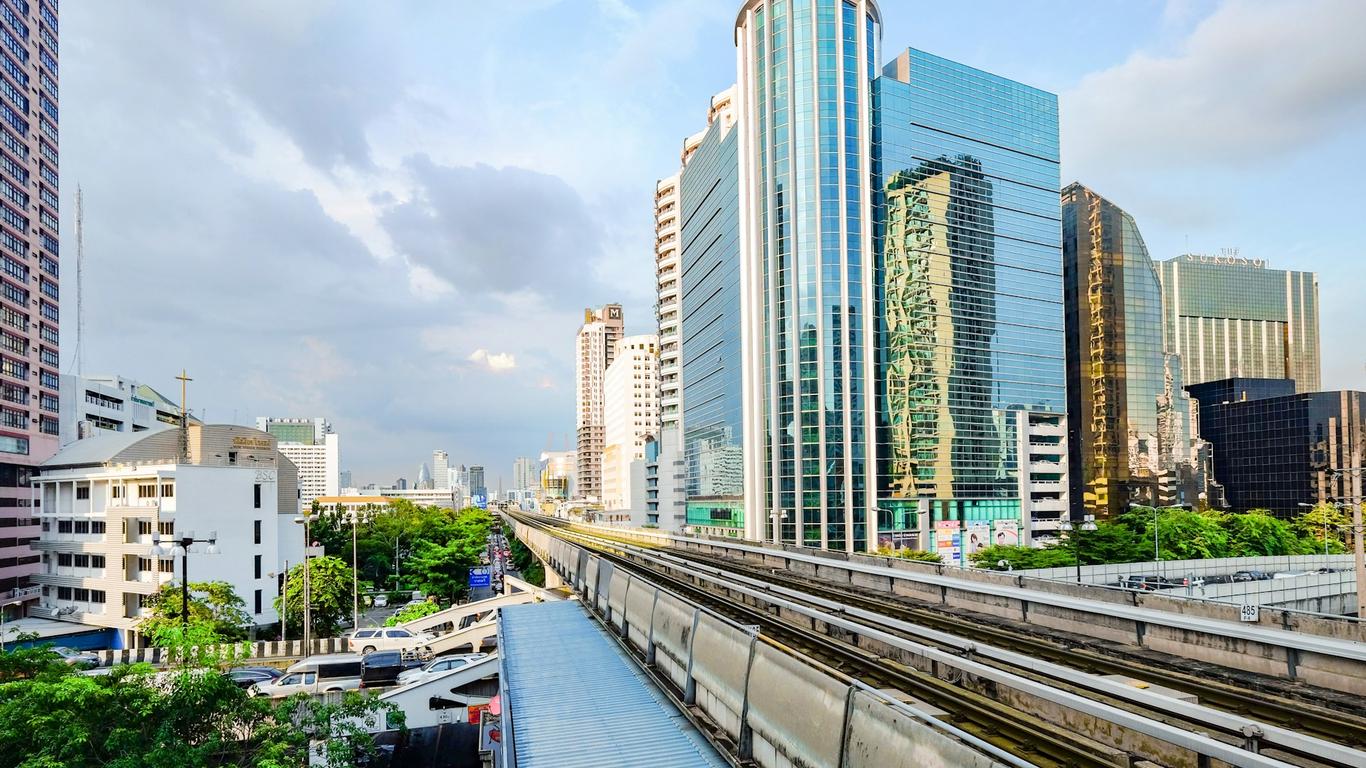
630	415
557	475
525	474
29	310
314	448
1230	317
344	480
667	285
596	345
1275	448
91	405
424	478
1130	417
969	285
713	471
804	107
441	474
477	485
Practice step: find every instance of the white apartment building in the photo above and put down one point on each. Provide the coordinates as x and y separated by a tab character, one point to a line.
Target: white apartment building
105	500
595	347
630	415
314	448
441	470
91	405
447	498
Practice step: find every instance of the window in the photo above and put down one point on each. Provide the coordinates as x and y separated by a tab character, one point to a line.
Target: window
63	593
118	491
13	444
256	532
167	490
82	492
147	491
258	602
97	595
81	526
166	566
258	568
144	527
144	564
232	457
97	561
97	526
64	526
166	527
256	495
64	559
81	561
80	594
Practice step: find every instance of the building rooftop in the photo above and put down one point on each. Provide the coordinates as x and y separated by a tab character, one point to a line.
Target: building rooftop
101	448
574	699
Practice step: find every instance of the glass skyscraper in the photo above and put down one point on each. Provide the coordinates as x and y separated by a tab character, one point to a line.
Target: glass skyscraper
804	150
1229	316
969	289
1129	416
710	312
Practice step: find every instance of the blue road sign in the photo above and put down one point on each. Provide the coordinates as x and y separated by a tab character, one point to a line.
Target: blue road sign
479	577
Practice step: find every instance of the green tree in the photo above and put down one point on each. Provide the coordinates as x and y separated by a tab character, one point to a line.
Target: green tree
906	553
217	614
1021	558
1110	543
1310	525
1256	533
526	562
1181	534
330	589
411	612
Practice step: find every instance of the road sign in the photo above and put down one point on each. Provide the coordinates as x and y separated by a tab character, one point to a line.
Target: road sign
479	577
1249	613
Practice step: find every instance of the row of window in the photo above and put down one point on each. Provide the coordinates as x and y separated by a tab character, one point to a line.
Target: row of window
81	526
79	594
79	560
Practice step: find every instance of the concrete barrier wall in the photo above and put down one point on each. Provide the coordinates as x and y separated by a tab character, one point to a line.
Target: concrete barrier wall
791	732
639	609
259	650
671	626
602	592
616	598
590	580
884	736
720	668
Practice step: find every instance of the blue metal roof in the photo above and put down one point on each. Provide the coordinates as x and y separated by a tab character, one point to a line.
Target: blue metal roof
577	700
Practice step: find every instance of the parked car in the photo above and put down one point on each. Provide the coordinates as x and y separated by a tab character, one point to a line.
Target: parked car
246	677
437	665
373	639
1251	576
77	659
316	674
383	668
1146	583
381	601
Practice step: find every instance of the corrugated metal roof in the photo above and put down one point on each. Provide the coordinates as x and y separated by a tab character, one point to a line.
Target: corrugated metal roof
576	700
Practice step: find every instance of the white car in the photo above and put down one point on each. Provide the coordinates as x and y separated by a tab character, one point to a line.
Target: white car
381	601
442	664
386	639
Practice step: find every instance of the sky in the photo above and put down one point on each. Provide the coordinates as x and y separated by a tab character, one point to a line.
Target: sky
393	214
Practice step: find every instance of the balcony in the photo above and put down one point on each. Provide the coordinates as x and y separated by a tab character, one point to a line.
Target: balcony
1047	505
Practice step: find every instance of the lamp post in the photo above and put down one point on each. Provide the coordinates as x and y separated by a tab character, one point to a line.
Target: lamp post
1157	552
305	520
1088	523
779	515
168	545
355	574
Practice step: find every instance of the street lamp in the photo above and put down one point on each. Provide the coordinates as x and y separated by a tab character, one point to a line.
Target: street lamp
1088	523
304	520
1157	552
168	545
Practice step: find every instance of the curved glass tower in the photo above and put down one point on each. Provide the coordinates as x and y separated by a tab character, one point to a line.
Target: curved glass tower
804	100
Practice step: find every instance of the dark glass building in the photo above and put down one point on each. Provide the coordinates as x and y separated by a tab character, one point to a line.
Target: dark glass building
1129	418
1276	451
710	330
969	290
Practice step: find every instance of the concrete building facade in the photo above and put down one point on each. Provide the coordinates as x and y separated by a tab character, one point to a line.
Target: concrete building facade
314	448
91	405
595	348
630	415
106	499
441	470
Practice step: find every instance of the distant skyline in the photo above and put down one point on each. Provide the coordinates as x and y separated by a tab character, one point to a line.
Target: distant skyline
393	215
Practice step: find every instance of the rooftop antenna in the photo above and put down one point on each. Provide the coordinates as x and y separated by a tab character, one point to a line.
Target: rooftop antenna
184	420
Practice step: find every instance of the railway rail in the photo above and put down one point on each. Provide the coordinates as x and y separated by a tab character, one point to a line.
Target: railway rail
982	687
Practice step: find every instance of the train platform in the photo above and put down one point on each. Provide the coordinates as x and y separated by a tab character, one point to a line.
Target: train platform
572	697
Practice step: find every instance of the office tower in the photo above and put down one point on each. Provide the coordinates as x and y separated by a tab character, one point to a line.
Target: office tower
92	405
314	448
596	344
525	474
667	286
970	297
557	475
344	480
630	414
712	395
477	486
1231	317
424	478
1275	448
441	472
803	105
1129	416
31	386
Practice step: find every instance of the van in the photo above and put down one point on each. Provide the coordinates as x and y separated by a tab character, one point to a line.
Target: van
315	674
371	639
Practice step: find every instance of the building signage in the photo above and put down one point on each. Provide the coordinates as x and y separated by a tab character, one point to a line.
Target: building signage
252	443
140	401
948	541
1228	257
1007	532
479	577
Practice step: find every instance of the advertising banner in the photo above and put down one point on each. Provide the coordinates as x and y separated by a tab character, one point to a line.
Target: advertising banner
978	537
1007	532
948	541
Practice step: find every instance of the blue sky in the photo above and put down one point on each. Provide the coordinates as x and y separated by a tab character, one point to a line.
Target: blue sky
392	214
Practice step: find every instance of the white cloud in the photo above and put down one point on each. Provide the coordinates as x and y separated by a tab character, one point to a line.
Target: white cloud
494	361
1253	81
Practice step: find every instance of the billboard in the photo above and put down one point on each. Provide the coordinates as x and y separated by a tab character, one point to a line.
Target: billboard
948	542
978	537
480	500
1007	532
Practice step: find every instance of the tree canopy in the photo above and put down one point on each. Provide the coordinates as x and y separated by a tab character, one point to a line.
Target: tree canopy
216	614
329	590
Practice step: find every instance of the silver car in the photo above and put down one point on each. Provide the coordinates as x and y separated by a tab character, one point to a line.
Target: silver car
437	666
316	674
